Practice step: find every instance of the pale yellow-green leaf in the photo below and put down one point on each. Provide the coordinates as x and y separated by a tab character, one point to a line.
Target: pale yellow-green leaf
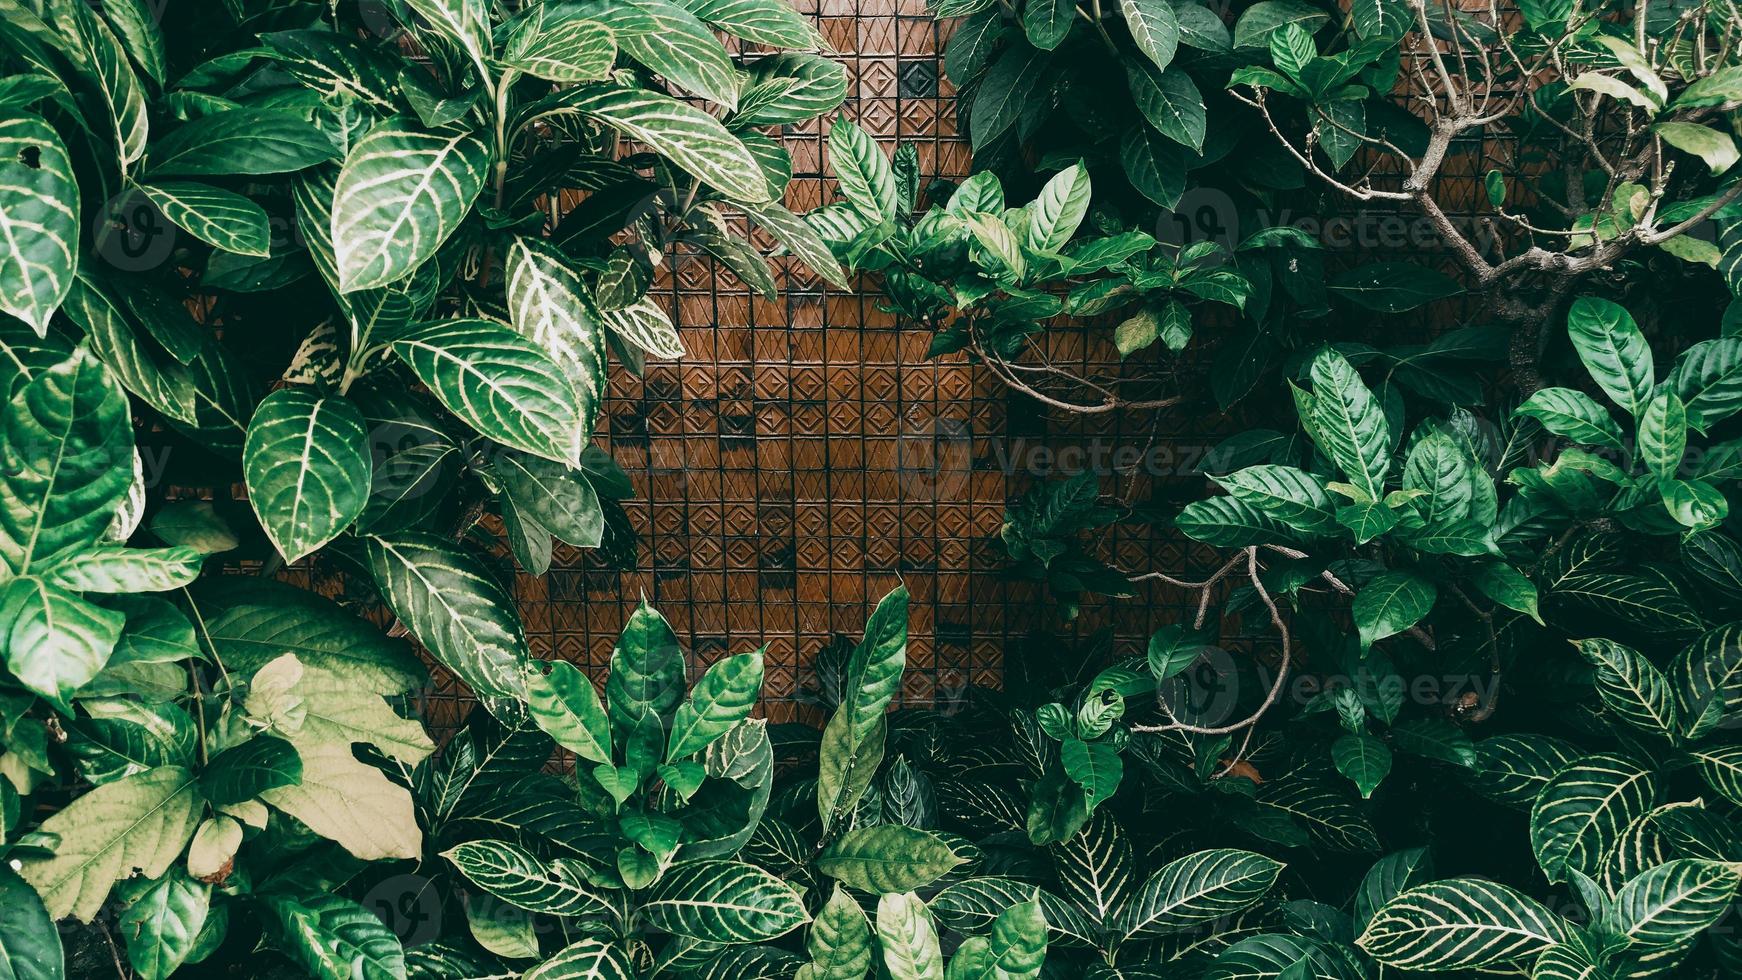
272	696
214	849
353	804
134	825
335	710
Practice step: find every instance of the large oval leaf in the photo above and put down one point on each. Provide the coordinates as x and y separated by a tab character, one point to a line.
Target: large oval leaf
520	878
548	303
500	383
1674	902
588	959
888	858
30	946
723	902
67	446
39	220
135	825
1459	924
454	606
401	193
1199	888
1582	811
306	463
334	938
1613	350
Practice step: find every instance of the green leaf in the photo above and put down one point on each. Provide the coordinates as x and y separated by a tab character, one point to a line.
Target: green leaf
55	641
1581	812
1572	414
242	141
163	383
1226	522
556	497
334	710
797	236
239	774
718	702
454	606
1708	378
723	902
135	825
1095	766
30	946
1349	424
1060	209
306	463
1434	738
1047	22
67	445
588	959
565	705
1506	586
220	218
1261	20
333	938
909	938
1382	19
1613	350
864	173
1708	680
1459	924
401	193
559	49
888	858
1389	877
1721	767
499	383
161	924
122	570
518	877
1632	687
1717	149
689	137
39	221
548	303
1196	889
1292	496
1674	902
839	942
1155	29
1391	603
351	804
1513	769
1364	759
1663	434
1170	101
1155	164
645	325
1004	93
852	743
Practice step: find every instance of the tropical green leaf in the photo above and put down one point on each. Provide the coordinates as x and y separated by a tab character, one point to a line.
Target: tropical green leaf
866	179
454	606
117	570
852	743
888	858
839	942
520	878
30	945
909	938
1581	812
1058	212
220	218
401	193
333	938
718	702
1572	414
1459	924
1349	424
243	772
500	383
1364	759
306	462
1390	604
1674	902
350	803
1154	27
588	959
1513	769
39	221
161	923
566	706
1198	888
1614	350
1632	687
723	902
548	303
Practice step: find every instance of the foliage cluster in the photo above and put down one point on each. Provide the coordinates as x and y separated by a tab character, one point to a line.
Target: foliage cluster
374	313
